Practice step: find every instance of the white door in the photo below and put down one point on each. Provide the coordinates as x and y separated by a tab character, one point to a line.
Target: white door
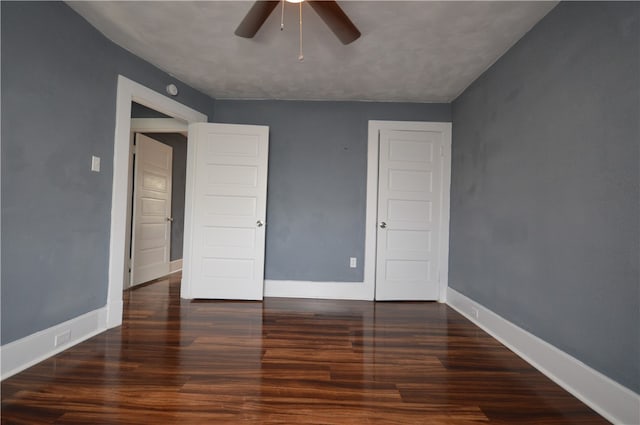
151	210
227	196
409	215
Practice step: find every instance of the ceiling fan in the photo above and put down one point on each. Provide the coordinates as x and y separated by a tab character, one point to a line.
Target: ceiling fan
328	10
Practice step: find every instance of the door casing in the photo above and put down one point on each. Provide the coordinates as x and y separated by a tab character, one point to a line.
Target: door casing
129	91
373	157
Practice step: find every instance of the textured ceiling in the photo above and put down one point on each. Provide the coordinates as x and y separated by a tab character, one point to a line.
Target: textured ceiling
409	51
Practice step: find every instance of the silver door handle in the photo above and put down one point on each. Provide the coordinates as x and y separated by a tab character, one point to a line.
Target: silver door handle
259	223
383	225
170	219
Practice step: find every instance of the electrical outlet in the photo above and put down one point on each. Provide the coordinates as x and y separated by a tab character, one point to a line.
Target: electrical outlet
353	262
62	338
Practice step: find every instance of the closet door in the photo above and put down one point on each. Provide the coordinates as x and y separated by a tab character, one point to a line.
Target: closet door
409	215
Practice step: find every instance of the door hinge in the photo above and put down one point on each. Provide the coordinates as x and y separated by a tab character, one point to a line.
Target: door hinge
441	150
134	149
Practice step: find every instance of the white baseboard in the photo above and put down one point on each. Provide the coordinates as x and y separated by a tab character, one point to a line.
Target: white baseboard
175	266
613	401
318	290
26	352
115	310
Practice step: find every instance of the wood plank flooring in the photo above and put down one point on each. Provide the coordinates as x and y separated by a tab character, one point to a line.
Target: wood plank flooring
286	361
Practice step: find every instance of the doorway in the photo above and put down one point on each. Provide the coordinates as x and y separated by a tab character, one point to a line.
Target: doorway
158	162
129	91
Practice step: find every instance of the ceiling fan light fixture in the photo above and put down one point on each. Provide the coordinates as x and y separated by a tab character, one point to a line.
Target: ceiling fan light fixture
328	10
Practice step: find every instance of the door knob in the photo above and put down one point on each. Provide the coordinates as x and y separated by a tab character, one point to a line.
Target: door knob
170	219
260	223
383	225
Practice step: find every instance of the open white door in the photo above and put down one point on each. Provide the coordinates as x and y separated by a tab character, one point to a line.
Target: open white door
151	210
409	214
226	211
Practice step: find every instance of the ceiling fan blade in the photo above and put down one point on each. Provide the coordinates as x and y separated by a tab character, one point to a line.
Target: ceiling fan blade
335	18
254	19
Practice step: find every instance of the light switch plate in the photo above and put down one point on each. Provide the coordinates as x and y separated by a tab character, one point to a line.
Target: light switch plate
95	163
353	262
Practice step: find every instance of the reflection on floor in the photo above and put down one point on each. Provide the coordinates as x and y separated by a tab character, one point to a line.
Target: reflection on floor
286	361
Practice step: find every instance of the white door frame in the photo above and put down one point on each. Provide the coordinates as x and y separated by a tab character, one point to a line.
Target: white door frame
158	125
373	157
130	91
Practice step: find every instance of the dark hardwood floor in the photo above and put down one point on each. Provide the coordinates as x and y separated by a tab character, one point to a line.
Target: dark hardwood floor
286	361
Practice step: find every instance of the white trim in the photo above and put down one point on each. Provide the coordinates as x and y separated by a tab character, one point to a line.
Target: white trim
371	217
26	352
372	198
129	91
317	290
189	205
175	266
158	125
445	215
613	401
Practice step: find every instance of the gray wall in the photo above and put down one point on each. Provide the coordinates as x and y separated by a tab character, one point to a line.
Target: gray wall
317	180
59	78
178	183
545	201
